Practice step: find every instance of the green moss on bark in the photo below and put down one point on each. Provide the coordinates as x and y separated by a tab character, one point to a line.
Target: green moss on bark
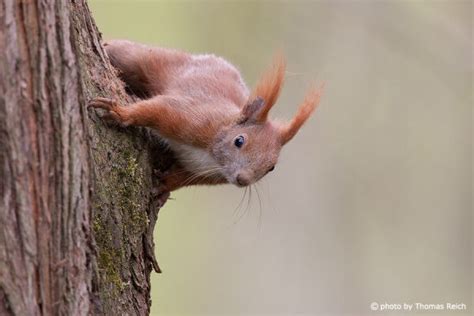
122	199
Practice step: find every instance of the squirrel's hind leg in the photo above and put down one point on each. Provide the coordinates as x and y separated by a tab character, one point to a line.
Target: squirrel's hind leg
178	177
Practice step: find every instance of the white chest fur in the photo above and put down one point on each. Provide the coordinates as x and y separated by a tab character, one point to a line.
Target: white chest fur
194	159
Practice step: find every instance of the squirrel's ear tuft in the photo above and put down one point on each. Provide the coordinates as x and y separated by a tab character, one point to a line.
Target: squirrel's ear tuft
267	89
311	101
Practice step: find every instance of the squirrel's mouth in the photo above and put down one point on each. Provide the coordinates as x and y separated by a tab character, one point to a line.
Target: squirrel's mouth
240	185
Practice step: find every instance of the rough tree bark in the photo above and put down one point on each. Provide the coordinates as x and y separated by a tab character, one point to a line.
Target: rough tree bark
77	209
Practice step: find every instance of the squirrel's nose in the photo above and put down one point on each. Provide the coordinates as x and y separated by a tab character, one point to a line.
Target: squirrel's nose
242	180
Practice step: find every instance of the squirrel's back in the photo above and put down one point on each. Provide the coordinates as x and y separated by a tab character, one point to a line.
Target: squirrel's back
150	71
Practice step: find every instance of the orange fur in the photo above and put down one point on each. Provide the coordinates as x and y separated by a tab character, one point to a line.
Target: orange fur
269	86
311	101
177	118
200	105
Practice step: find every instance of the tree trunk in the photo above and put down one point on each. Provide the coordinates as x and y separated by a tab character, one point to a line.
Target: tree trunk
77	209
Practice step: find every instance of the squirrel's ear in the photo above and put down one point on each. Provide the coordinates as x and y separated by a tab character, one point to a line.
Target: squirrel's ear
267	89
251	110
311	101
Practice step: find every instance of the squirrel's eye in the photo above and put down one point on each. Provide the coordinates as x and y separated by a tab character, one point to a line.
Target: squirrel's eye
239	141
271	169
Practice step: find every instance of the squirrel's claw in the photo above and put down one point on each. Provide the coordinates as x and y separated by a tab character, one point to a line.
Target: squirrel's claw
114	112
160	194
103	103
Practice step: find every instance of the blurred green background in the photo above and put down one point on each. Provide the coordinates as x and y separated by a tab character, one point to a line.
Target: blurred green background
371	202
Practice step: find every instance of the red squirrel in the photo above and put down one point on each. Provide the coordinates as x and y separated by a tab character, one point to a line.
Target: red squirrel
200	105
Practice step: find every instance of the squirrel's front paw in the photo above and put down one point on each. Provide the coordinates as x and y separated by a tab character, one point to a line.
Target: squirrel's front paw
113	110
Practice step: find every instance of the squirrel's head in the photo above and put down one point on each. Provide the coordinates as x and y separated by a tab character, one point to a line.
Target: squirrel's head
249	149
